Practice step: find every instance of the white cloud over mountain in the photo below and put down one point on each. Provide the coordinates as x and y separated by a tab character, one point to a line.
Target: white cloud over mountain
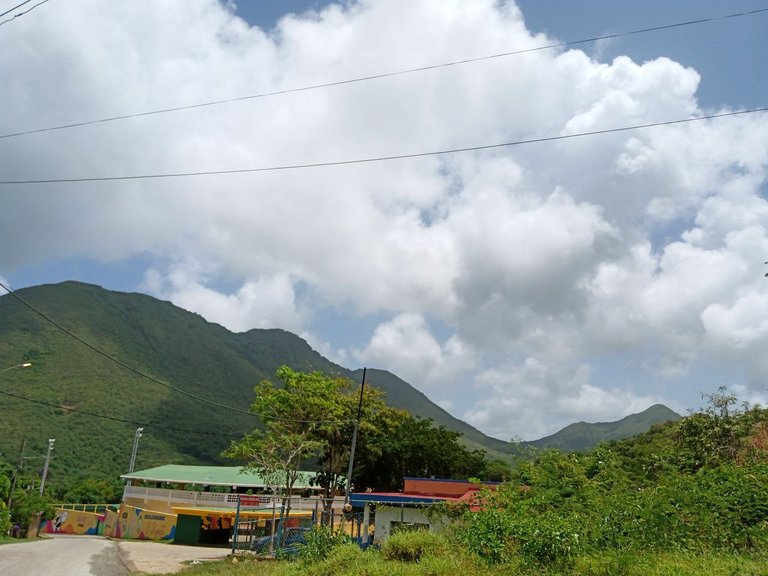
525	286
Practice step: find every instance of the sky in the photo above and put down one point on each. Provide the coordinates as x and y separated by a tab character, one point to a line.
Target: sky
521	287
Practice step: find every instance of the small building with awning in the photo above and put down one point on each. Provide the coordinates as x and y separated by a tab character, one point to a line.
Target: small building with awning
407	509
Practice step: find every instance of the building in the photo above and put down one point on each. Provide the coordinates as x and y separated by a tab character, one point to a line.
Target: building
407	510
200	486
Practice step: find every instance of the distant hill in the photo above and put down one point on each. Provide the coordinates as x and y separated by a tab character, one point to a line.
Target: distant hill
104	402
92	405
583	436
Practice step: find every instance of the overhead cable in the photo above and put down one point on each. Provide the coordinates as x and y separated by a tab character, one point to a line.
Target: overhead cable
14	8
20	13
380	158
385	74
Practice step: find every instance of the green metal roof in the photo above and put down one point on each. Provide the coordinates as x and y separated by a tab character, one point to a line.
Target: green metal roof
209	476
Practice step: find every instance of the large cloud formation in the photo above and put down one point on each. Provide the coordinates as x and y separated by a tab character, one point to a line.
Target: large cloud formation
523	287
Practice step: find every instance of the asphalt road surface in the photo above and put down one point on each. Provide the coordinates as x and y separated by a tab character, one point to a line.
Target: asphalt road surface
96	556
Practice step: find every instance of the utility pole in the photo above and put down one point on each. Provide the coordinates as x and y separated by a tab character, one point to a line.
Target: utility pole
47	461
354	444
135	449
16	473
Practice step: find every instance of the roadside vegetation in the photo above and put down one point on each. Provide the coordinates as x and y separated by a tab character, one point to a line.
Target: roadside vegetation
686	498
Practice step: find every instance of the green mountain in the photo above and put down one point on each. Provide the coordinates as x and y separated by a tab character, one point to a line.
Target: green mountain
583	436
169	358
92	405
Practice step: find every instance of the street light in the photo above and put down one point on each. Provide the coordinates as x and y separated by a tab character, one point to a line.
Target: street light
47	461
135	448
22	365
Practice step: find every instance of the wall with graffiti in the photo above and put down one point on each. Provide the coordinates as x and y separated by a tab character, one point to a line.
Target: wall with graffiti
111	524
74	522
133	522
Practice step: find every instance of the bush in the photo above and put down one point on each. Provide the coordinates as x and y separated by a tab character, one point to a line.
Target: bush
412	546
319	542
345	558
549	539
5	519
488	534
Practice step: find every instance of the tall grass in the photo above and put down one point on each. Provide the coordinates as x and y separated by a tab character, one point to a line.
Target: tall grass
417	554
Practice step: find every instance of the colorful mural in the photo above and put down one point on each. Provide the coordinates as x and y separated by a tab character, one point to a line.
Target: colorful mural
217	522
111	524
73	522
143	524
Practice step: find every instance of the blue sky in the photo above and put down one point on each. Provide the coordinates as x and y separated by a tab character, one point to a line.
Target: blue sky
522	289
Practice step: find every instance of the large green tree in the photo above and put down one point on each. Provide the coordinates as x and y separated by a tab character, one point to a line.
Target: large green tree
312	415
408	446
307	415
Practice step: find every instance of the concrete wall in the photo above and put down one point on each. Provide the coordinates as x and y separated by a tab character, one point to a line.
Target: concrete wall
73	522
389	516
144	524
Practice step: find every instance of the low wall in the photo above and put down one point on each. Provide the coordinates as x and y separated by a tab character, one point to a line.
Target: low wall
142	524
73	522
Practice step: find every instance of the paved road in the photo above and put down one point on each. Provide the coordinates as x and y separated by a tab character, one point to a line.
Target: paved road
96	556
70	556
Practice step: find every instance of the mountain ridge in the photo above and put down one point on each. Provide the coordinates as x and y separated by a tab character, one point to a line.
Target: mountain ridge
176	349
582	436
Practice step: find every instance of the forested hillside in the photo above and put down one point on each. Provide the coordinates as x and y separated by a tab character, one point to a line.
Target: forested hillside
91	405
171	358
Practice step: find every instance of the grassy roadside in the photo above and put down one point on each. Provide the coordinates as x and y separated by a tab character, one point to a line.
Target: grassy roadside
349	560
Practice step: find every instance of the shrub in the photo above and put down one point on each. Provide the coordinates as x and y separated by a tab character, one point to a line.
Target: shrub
549	539
5	519
412	546
342	559
488	534
319	542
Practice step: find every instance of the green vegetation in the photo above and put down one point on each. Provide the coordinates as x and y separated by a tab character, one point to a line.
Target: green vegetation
68	383
313	415
686	498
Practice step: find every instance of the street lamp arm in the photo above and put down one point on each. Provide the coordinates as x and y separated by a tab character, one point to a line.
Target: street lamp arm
22	365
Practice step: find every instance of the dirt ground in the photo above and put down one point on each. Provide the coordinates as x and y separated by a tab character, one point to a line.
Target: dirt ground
160	558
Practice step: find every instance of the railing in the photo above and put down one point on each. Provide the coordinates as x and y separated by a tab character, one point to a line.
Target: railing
221	499
84	507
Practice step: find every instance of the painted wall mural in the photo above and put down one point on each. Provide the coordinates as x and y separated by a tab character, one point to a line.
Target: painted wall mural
144	524
73	522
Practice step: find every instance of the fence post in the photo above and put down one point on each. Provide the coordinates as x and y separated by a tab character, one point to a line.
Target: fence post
237	524
366	521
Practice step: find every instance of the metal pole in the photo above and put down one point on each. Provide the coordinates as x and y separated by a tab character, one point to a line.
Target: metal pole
237	526
135	449
47	461
354	443
16	473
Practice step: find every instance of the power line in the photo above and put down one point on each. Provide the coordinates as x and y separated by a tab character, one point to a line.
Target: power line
114	418
381	158
152	378
20	13
14	8
385	74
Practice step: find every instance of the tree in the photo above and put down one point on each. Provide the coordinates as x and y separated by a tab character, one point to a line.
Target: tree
5	489
409	446
276	454
719	433
312	414
93	491
28	503
305	415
